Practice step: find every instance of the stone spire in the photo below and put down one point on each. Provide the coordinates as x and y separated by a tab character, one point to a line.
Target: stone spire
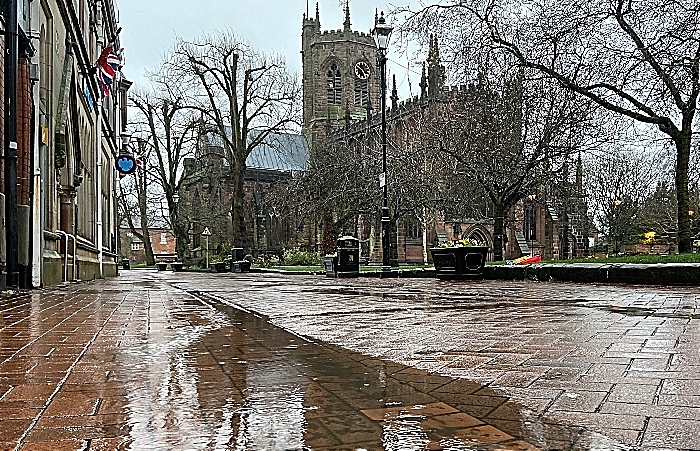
394	95
423	83
436	70
346	24
318	15
579	176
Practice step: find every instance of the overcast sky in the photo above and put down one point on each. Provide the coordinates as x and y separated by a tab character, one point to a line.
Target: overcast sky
150	27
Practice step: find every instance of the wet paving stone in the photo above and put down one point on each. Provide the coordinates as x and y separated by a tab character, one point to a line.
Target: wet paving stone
157	361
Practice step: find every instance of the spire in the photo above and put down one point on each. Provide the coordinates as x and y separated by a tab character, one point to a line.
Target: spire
346	24
394	95
579	176
318	15
435	69
423	83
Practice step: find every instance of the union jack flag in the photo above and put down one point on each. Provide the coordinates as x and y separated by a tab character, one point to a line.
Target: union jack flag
107	66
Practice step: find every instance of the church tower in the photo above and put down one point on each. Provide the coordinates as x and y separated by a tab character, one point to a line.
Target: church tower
340	75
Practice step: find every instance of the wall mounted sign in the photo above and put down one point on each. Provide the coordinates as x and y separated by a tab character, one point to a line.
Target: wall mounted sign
126	164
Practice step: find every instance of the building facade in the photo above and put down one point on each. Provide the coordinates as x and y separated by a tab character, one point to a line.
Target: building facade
162	243
554	224
67	143
341	81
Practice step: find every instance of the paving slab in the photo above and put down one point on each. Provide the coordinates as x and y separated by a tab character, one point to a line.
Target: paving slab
159	360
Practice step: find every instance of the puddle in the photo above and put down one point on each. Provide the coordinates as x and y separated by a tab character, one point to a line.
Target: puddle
245	384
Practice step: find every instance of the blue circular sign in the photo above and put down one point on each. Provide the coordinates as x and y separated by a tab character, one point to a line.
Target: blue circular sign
126	164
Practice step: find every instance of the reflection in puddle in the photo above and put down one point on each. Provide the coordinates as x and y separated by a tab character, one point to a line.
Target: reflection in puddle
273	415
223	379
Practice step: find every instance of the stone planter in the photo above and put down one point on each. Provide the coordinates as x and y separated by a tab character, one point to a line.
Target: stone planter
240	266
459	261
330	264
219	267
161	266
176	266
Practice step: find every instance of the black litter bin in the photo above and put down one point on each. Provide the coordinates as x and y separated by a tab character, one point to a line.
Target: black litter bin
125	263
348	263
237	254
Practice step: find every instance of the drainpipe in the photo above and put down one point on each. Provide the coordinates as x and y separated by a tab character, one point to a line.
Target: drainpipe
37	238
98	151
10	151
98	191
65	255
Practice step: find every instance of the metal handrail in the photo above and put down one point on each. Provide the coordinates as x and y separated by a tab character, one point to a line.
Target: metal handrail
65	255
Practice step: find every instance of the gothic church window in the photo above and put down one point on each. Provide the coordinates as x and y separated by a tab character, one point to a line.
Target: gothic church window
334	87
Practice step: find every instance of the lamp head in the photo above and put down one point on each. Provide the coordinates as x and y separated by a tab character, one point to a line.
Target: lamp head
381	33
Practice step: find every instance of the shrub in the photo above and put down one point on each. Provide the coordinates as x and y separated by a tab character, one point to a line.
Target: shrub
267	261
296	257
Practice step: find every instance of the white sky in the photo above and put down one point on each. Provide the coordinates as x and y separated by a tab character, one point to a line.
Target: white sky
150	28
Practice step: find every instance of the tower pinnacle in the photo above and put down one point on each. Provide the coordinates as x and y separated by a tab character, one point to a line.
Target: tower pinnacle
346	24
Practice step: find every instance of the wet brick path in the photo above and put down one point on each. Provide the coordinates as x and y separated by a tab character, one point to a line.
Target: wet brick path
621	360
159	361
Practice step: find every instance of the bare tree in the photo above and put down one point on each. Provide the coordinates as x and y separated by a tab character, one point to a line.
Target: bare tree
236	90
618	185
170	131
508	131
640	59
134	194
337	186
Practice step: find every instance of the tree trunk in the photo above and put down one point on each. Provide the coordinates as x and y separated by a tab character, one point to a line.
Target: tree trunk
330	235
683	142
182	239
143	213
498	231
238	224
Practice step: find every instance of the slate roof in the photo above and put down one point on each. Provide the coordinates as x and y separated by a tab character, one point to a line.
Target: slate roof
279	151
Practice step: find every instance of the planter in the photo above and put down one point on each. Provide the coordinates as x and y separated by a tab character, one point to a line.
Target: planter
330	264
240	266
176	266
459	261
219	267
161	266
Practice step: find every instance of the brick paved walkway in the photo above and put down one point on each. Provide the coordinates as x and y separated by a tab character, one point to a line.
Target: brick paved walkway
622	360
152	361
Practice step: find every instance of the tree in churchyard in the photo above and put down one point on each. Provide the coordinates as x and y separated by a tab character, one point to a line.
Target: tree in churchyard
618	185
414	170
335	188
243	97
134	201
169	129
507	133
636	58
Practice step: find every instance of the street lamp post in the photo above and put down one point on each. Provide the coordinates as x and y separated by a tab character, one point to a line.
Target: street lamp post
381	33
174	221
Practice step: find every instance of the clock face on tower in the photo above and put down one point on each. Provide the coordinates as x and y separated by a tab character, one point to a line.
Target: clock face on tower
362	70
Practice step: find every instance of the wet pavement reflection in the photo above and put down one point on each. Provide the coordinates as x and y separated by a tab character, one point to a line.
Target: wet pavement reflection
138	363
299	394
